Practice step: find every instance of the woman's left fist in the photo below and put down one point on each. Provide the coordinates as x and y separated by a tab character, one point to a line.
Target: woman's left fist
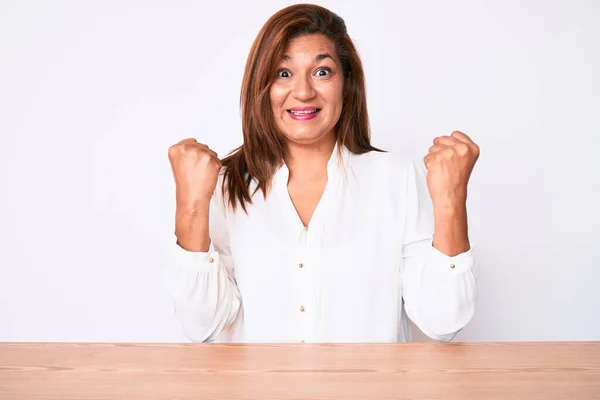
449	164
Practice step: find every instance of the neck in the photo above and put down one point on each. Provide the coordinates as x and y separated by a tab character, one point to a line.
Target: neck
309	162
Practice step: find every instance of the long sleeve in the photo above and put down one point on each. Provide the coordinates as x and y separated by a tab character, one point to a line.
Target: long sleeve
206	300
439	291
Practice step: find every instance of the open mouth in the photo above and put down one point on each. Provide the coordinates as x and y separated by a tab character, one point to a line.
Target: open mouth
304	112
304	115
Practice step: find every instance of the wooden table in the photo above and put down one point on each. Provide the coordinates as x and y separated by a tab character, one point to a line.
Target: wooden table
557	370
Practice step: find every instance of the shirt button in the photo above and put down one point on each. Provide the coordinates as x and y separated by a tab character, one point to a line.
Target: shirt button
305	228
210	260
301	265
452	265
302	308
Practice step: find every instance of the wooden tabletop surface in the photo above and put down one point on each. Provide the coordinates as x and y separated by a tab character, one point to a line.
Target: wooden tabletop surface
549	370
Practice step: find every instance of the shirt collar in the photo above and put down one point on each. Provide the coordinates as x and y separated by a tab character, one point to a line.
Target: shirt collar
336	166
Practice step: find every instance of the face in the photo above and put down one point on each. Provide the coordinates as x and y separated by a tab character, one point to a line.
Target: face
307	93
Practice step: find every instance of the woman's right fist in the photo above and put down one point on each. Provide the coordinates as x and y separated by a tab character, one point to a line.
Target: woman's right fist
195	169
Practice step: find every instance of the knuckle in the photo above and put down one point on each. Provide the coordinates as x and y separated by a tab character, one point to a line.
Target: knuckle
172	151
462	149
185	149
202	155
448	152
191	151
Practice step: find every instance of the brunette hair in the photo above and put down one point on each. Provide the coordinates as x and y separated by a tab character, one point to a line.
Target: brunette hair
264	146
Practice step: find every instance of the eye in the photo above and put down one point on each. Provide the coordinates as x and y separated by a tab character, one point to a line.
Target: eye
283	73
323	72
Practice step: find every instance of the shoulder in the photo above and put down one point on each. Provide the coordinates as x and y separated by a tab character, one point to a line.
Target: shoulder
384	166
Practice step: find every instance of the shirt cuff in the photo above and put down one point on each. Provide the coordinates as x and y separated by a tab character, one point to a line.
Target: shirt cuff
196	261
457	264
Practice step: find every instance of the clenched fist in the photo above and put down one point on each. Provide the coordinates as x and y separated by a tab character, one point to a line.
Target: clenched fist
449	164
196	171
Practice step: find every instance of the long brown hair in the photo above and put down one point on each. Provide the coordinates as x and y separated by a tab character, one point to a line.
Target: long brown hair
264	147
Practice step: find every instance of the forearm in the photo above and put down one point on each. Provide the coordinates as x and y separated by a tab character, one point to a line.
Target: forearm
205	298
192	226
440	298
439	291
451	227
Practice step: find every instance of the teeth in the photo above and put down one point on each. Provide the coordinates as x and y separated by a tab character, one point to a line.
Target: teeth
303	112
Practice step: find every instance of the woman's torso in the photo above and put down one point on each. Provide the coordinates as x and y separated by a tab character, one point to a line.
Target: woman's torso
337	280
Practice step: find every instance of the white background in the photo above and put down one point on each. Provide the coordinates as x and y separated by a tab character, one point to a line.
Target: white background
92	94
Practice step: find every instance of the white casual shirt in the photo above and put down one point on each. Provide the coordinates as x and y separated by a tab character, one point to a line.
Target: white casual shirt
363	266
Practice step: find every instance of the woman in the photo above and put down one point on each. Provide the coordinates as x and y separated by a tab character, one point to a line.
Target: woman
306	232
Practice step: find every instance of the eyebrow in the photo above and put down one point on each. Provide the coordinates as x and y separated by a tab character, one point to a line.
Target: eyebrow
319	57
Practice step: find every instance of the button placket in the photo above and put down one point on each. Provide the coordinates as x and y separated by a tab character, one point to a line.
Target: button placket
303	276
313	266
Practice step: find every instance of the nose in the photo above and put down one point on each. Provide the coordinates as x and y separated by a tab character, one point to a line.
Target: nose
303	88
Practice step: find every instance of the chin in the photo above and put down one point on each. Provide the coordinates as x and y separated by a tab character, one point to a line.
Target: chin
305	138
